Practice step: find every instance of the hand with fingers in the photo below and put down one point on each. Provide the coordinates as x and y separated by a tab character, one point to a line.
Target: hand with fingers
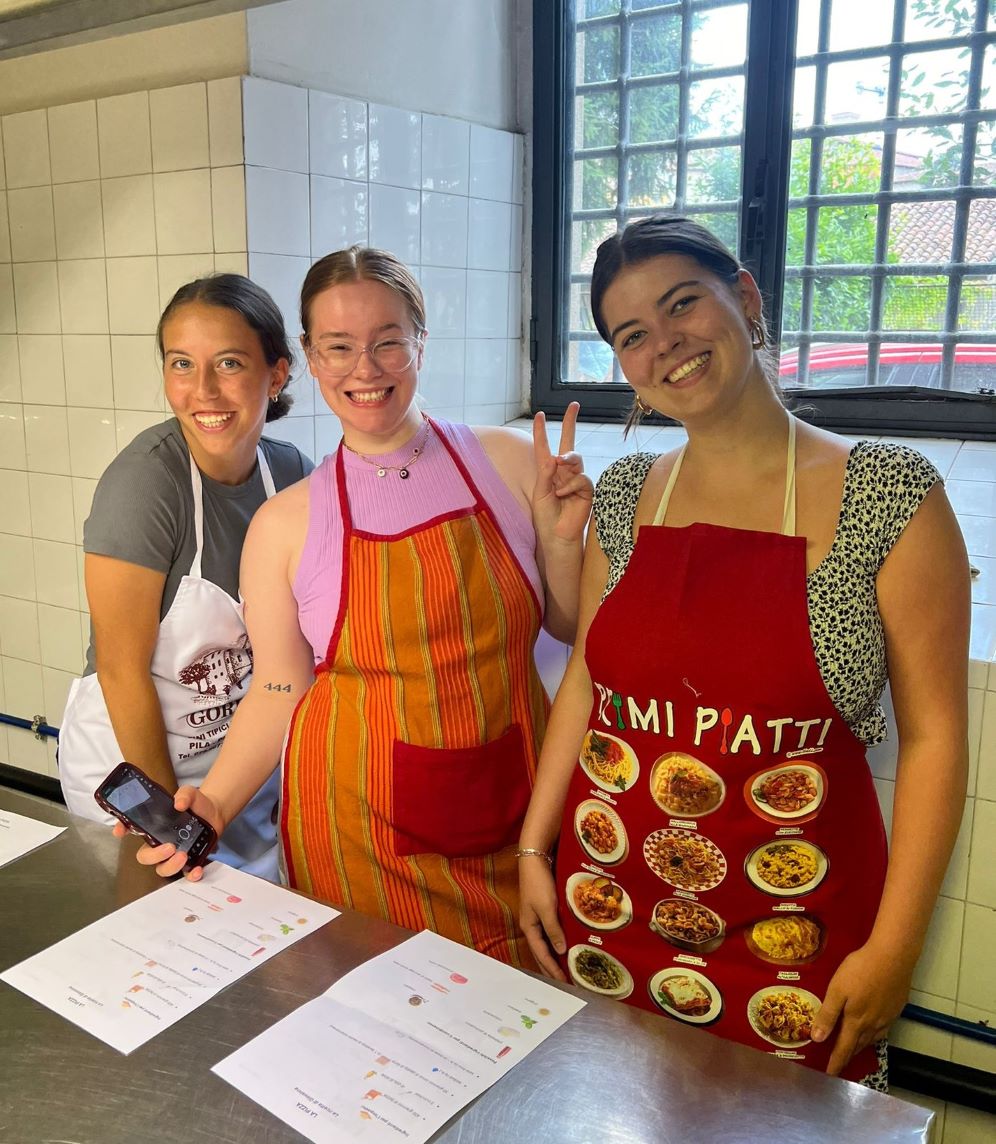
538	915
864	997
167	859
562	495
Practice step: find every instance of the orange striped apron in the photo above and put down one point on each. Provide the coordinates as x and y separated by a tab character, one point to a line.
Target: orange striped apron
410	760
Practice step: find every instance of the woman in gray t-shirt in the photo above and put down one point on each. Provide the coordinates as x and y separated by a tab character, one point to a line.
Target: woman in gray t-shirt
169	659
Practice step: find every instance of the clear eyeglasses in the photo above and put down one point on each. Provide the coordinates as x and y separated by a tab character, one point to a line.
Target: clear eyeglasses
339	359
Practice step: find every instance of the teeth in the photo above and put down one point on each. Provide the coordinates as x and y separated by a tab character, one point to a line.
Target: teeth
368	396
212	420
689	367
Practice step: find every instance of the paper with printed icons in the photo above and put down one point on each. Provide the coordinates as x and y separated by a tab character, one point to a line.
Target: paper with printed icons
137	971
20	835
416	1033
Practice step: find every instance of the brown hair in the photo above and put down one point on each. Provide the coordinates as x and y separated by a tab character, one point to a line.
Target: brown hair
667	234
255	306
362	264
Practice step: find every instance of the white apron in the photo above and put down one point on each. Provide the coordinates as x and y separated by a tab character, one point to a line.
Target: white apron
201	668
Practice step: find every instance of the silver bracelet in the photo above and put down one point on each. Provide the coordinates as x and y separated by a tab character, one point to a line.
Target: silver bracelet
531	852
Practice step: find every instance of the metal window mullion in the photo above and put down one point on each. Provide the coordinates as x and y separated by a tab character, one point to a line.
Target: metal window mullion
623	144
906	122
893	269
812	211
963	206
898	46
874	198
883	217
684	91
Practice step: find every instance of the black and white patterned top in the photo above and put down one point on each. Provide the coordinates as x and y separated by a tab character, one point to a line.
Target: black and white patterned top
884	485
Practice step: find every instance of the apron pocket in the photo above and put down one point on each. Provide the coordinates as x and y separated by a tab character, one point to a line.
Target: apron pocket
460	802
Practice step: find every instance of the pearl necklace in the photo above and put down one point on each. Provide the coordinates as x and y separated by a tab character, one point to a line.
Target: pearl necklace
401	470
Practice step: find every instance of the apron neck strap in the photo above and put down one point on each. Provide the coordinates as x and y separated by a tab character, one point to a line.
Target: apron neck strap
788	507
197	488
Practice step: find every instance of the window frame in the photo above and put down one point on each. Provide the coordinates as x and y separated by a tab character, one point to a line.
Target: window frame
763	225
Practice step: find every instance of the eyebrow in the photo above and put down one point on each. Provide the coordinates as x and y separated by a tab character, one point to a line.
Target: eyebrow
217	353
661	301
343	334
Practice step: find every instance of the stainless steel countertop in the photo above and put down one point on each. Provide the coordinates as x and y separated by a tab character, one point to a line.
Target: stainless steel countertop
612	1074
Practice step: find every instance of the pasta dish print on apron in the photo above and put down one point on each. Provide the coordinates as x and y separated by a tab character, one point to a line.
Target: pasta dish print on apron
722	849
409	762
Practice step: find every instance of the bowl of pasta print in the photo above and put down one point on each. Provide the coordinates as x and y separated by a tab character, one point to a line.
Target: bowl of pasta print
601	832
783	1016
793	792
683	786
787	868
598	901
599	971
609	762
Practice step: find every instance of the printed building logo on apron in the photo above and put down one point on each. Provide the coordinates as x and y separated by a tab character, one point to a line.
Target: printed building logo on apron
220	669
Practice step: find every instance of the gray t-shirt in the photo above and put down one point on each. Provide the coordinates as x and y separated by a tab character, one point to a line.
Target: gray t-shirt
143	511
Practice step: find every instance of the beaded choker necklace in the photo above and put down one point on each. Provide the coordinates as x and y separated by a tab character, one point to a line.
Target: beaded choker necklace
401	470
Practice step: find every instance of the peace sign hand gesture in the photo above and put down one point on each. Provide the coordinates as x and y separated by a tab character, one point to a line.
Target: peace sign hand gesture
562	495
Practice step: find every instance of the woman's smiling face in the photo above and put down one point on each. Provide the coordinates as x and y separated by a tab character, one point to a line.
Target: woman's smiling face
376	407
218	383
681	333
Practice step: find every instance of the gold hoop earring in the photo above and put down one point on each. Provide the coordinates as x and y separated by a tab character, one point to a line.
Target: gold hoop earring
757	339
644	408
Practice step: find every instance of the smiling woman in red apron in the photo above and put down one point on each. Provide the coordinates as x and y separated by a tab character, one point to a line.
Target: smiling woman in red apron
721	856
394	600
169	658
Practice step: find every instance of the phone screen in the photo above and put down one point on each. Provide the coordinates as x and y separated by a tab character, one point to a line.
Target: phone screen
152	810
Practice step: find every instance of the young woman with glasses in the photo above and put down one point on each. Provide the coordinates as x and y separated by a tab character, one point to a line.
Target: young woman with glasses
393	602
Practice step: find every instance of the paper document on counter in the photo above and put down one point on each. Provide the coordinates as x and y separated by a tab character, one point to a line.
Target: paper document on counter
398	1045
137	971
20	835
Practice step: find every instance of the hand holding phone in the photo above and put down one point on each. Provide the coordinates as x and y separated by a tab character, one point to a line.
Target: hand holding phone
146	808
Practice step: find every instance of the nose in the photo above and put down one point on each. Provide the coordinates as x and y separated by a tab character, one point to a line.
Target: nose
207	386
366	364
666	338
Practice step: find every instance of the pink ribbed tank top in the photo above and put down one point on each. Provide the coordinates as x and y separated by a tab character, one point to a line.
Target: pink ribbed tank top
389	506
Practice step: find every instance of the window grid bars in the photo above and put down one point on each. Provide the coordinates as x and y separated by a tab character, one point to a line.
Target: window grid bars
879	271
624	149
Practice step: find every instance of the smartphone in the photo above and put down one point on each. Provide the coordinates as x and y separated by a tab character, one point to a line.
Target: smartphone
147	809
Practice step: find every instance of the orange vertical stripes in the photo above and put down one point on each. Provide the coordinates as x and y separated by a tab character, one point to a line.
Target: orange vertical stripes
436	650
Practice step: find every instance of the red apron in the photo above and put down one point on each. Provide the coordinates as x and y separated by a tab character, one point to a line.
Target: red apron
410	760
722	849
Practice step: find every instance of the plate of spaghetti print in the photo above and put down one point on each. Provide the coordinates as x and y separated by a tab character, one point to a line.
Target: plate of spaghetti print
609	762
685	860
601	832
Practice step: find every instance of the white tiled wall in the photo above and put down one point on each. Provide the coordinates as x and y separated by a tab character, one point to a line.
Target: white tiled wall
106	206
324	171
